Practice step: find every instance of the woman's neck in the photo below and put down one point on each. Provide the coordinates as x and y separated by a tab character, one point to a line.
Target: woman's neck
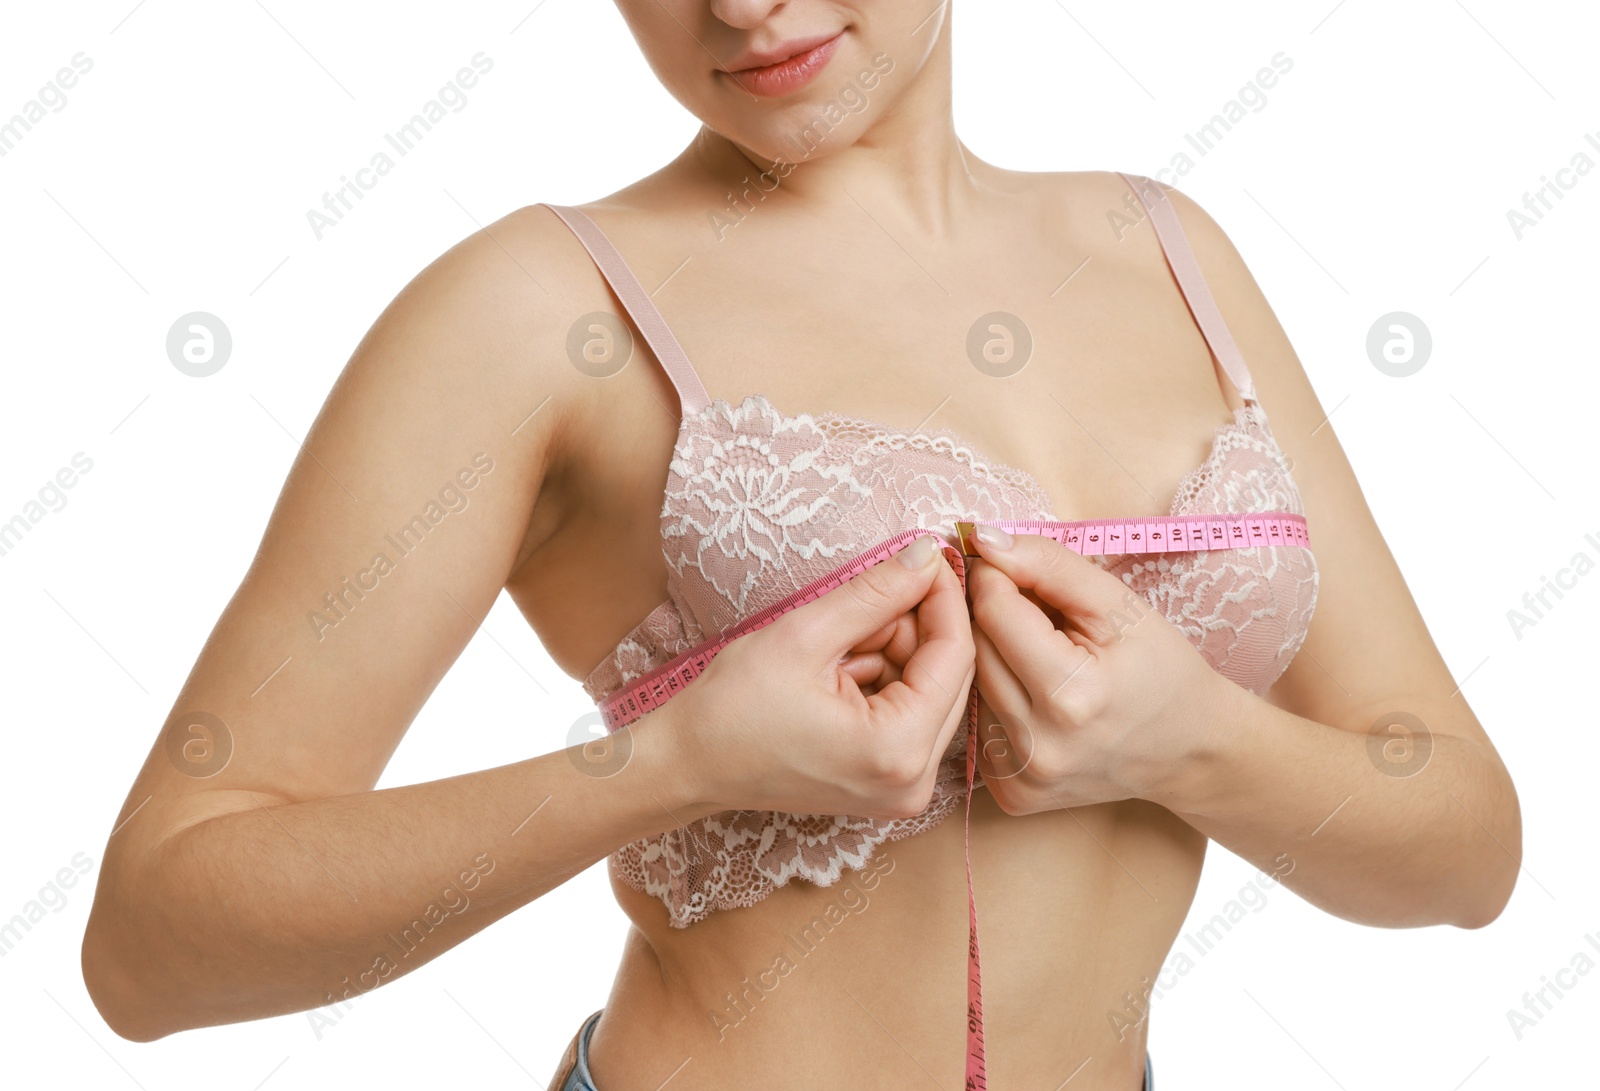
909	171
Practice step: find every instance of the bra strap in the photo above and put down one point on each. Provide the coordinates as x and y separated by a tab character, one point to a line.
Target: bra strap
1192	282
635	300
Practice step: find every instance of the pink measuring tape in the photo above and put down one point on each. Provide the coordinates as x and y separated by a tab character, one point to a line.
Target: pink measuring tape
1095	537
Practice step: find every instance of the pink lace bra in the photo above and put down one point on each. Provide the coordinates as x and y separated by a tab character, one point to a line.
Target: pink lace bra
759	503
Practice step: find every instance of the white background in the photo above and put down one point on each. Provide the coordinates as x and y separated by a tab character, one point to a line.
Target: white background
1376	179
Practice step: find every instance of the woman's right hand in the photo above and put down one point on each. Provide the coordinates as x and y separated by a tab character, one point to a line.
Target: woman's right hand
842	706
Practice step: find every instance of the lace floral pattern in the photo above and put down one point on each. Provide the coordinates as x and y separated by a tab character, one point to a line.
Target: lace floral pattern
758	504
1246	610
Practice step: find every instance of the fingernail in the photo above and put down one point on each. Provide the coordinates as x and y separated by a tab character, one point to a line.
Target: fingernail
918	553
993	536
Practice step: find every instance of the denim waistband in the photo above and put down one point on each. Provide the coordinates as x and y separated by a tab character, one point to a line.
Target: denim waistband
580	1078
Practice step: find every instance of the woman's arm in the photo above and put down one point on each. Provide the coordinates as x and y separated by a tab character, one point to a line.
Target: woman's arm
282	881
1411	824
287	906
1383	828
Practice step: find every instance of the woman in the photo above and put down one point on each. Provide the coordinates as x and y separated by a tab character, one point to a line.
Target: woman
776	829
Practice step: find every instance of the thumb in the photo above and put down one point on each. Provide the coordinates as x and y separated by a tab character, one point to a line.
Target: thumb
1068	582
872	600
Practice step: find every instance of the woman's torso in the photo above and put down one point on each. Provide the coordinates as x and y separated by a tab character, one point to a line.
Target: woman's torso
864	982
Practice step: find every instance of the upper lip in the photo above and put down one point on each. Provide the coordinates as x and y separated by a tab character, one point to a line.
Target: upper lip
760	58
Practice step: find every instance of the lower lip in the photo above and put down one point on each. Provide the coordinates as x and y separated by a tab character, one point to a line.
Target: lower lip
788	76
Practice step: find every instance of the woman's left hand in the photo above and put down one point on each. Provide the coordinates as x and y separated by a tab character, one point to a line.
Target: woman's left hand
1088	694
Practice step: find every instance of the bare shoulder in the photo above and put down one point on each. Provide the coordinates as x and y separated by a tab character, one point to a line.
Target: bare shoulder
1097	216
399	522
1103	206
488	308
1280	379
498	307
503	289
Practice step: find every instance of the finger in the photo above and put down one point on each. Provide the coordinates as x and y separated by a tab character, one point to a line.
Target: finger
863	605
902	640
997	683
896	641
1057	618
1039	656
864	668
882	638
870	668
1075	586
937	674
953	719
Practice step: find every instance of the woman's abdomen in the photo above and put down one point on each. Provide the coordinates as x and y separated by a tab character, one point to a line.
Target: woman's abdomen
865	980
